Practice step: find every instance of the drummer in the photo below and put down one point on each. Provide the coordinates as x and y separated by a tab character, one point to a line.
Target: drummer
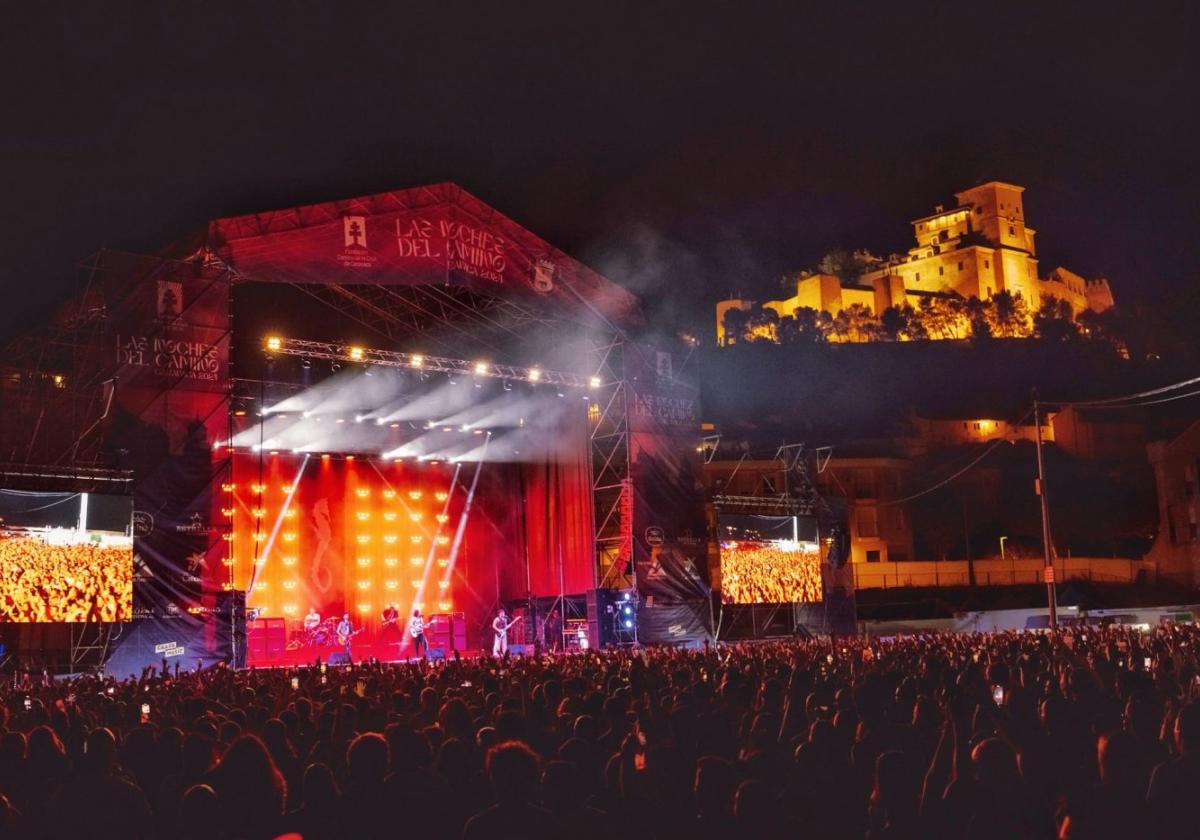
312	620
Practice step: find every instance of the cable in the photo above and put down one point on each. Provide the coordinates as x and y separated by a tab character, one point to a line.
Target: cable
960	472
945	481
1128	397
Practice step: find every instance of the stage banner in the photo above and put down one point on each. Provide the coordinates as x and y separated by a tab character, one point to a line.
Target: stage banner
669	531
687	623
168	349
433	235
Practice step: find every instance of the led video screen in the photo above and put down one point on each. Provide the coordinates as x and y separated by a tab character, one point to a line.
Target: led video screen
769	560
65	557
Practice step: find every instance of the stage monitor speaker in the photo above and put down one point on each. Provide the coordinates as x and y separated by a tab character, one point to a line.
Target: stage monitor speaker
338	658
437	654
600	617
520	650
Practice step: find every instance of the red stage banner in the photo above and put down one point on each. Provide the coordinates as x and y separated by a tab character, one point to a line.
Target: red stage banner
167	353
433	235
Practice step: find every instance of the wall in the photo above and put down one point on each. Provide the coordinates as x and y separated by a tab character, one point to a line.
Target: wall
1000	572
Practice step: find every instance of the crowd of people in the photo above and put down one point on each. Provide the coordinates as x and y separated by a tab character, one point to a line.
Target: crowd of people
759	573
53	583
1090	733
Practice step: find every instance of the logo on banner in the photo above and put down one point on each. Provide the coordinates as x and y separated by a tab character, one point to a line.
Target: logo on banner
354	243
663	365
194	525
543	276
676	630
656	571
143	523
655	536
354	230
170	299
168	649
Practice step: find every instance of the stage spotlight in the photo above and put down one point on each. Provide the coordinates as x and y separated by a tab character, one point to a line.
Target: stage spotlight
561	394
464	428
356	354
306	363
334	367
274	343
358	418
625	596
481	368
507	385
416	360
628	624
594	382
534	375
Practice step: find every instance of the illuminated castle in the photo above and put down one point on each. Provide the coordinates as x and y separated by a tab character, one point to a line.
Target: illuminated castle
978	248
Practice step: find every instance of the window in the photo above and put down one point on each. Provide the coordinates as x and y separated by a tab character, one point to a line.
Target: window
989	291
1192	531
941	270
868	522
960	265
977	427
944	235
873	555
987	263
1012	231
918	279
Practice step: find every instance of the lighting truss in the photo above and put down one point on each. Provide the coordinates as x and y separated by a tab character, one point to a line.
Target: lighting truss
352	354
778	505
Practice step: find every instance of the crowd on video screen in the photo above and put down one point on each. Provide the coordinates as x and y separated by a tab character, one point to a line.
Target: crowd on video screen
765	573
64	583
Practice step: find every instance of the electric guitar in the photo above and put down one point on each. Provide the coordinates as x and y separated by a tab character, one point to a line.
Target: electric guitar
416	628
506	626
344	638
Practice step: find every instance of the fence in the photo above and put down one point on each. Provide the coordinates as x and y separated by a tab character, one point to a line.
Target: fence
1000	572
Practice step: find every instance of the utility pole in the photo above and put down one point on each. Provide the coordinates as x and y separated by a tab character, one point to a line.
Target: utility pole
1047	559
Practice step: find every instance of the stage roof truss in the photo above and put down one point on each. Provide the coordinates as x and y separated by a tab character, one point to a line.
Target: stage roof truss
353	355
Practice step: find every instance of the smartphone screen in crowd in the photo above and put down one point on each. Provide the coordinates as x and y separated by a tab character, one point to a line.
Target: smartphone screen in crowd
295	683
998	695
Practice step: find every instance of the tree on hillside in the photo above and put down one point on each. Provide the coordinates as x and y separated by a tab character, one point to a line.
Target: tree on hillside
855	322
734	323
978	313
901	322
762	325
1053	320
805	326
943	316
1008	315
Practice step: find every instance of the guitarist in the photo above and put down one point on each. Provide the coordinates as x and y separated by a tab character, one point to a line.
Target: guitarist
500	625
416	629
346	632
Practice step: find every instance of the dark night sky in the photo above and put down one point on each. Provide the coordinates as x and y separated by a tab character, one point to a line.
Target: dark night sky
682	154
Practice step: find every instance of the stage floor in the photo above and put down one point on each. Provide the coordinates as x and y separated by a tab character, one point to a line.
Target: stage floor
333	654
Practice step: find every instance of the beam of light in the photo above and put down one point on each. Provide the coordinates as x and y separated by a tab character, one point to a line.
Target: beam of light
270	544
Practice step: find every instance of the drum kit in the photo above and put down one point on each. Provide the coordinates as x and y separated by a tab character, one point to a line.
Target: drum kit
322	634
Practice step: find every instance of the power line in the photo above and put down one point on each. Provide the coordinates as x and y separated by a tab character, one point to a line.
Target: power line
1130	397
957	474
